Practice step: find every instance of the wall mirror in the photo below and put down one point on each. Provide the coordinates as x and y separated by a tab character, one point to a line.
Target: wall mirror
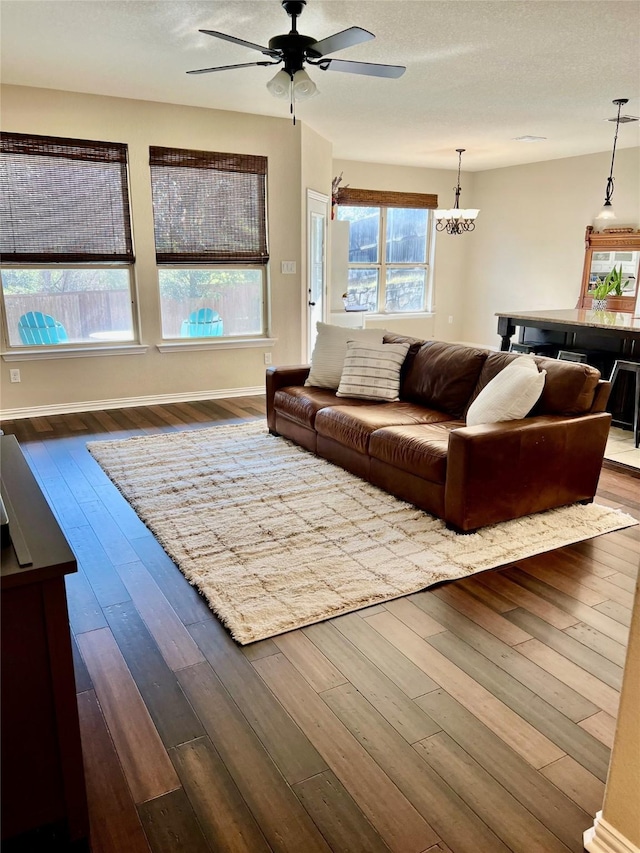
604	251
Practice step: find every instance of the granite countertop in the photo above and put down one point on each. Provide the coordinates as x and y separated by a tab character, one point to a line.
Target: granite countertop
580	317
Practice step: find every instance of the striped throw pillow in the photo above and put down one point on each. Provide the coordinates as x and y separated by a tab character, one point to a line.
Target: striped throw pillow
372	371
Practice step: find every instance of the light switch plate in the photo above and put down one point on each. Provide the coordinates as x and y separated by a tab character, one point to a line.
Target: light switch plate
288	267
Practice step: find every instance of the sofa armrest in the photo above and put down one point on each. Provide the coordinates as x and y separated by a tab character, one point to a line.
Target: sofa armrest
506	470
281	377
601	396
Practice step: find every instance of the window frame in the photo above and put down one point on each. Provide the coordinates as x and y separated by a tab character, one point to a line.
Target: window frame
254	257
26	352
224	339
90	256
382	265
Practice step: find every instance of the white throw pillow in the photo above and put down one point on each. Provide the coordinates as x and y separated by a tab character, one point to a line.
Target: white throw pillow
510	395
372	371
330	350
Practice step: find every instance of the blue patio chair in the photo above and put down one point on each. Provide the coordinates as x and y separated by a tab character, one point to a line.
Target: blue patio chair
39	329
203	323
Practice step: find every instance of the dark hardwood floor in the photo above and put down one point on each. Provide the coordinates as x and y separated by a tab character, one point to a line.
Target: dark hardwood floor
476	717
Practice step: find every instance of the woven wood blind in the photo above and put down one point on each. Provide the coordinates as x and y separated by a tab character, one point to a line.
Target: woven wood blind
63	200
208	207
385	198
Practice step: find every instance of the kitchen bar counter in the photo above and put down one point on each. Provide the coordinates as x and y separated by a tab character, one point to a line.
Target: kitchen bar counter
575	328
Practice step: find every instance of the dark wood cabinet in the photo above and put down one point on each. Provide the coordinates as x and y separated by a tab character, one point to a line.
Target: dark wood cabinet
44	804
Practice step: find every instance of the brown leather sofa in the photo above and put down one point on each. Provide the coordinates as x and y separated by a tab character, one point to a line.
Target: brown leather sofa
420	449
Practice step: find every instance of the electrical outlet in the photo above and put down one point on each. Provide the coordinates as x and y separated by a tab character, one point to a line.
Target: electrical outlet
267	358
451	318
14	375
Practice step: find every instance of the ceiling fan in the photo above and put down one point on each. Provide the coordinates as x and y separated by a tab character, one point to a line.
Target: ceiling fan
294	50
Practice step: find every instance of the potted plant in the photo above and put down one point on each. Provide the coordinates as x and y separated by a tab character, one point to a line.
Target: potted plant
602	288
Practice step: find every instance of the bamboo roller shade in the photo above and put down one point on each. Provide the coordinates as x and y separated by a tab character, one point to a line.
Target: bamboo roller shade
385	198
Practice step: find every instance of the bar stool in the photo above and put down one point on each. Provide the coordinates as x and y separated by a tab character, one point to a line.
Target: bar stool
567	355
529	349
634	368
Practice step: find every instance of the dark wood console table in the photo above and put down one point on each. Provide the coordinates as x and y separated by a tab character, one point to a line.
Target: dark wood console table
44	805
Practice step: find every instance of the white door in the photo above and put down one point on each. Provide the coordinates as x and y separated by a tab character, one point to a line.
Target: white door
316	284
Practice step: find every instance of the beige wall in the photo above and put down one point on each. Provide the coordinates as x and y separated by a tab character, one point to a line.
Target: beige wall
450	266
526	253
140	124
528	249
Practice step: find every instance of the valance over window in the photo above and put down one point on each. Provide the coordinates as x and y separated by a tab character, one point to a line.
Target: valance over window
209	207
352	197
63	201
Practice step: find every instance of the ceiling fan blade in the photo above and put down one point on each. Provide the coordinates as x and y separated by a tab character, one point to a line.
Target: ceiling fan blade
244	43
227	67
373	69
341	40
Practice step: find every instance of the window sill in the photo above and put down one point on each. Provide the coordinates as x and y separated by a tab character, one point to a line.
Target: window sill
220	344
73	352
398	315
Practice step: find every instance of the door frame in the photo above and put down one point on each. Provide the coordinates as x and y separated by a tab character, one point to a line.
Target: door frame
313	199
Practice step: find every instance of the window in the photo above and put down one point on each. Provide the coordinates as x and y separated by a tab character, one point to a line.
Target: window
66	242
390	244
211	242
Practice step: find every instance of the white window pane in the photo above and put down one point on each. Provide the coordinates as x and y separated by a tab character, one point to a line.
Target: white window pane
211	302
406	236
75	305
364	233
405	289
362	290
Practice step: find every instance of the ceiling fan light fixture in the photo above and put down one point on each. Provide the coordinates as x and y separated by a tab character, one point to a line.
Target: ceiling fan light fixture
280	85
303	86
294	50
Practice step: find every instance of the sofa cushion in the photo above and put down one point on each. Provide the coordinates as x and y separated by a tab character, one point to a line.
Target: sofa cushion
443	376
510	395
302	404
372	371
330	350
414	346
569	386
352	425
418	449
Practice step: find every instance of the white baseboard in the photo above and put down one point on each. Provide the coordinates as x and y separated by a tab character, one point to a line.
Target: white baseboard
127	402
604	838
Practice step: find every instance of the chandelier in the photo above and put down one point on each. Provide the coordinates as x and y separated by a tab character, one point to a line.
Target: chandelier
606	215
456	221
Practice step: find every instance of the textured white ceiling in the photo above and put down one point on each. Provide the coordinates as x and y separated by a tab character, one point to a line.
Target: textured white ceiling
479	72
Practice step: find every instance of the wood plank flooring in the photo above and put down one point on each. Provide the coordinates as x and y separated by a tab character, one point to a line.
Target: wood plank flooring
476	717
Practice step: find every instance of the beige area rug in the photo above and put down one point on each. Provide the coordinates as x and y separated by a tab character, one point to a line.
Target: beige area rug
276	538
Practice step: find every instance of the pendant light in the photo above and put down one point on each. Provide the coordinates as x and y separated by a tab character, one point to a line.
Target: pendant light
606	215
456	221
